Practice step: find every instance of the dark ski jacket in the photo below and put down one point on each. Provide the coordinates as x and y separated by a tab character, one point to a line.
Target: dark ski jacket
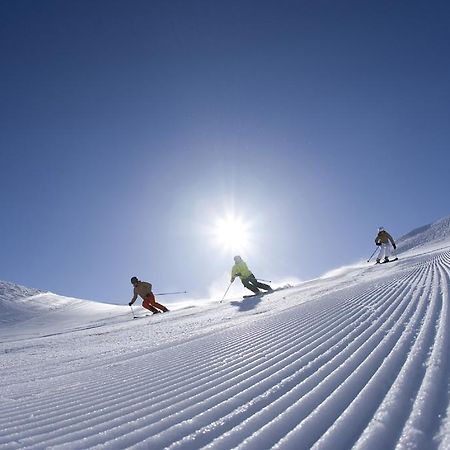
383	237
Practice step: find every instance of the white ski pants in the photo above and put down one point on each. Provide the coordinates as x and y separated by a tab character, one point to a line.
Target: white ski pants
386	250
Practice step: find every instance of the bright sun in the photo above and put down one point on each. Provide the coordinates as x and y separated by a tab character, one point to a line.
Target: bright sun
232	233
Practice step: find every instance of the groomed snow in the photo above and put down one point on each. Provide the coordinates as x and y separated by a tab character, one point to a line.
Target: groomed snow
356	359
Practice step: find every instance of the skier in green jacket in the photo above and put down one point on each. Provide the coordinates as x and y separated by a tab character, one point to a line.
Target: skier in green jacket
241	270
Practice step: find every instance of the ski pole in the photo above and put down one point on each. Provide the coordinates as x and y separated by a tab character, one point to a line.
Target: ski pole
172	293
132	312
372	255
267	281
224	295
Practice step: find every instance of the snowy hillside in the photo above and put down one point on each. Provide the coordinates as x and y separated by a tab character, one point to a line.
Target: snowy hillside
356	360
14	300
25	311
13	292
433	232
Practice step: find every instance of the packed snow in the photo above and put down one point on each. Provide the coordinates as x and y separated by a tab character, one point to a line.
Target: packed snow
357	359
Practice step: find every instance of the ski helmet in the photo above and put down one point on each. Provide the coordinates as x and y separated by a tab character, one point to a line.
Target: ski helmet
380	229
134	280
237	258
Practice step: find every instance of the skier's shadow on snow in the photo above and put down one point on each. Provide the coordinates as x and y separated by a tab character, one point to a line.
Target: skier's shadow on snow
247	304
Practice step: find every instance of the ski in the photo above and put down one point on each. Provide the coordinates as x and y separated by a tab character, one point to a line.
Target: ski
263	293
385	262
260	294
391	260
267	292
253	295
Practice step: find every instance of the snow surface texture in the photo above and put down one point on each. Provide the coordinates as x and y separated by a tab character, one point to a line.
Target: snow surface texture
359	359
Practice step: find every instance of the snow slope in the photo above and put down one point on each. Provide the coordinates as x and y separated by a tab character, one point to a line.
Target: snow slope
359	359
30	312
13	301
436	232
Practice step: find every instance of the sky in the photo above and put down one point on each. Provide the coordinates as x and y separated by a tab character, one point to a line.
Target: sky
129	129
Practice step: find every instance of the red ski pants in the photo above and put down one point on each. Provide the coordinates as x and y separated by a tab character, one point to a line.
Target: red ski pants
151	304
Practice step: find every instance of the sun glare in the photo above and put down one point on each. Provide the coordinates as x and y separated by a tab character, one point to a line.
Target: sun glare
232	233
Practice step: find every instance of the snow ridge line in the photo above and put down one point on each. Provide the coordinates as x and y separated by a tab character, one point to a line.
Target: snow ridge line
442	436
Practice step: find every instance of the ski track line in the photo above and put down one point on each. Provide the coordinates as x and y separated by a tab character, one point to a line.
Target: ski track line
443	435
332	367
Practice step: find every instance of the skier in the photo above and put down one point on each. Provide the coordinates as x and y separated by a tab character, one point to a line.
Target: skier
241	270
384	241
144	290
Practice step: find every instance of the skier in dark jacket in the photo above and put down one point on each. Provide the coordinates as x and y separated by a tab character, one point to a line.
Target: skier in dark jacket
384	240
144	290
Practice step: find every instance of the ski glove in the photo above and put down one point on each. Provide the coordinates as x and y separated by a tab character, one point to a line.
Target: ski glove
129	304
395	247
378	243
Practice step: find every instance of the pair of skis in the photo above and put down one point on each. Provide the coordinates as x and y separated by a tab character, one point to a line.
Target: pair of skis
388	261
141	317
260	294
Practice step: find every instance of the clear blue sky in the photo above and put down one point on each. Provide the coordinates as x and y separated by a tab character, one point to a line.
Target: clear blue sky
127	126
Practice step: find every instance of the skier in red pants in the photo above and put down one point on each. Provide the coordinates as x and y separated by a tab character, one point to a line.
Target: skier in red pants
144	290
